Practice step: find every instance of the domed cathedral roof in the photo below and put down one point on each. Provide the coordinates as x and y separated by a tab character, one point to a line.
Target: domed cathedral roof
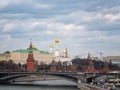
56	40
64	50
51	46
65	53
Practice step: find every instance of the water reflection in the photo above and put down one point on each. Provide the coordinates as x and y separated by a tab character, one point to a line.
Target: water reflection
41	85
16	87
49	83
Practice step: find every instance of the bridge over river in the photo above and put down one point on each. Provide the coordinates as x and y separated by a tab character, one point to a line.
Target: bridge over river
80	77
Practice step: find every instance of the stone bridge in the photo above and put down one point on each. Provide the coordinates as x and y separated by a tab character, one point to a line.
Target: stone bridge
7	76
81	78
74	76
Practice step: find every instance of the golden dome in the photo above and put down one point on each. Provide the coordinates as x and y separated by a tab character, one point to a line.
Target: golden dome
51	46
56	40
64	51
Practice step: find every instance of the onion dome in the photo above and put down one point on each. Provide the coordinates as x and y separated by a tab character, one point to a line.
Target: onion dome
56	40
64	51
51	46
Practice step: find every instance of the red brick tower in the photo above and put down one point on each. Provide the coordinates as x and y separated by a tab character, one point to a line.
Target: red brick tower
30	60
90	67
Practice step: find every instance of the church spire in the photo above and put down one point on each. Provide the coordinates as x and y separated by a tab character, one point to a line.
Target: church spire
30	44
30	47
89	56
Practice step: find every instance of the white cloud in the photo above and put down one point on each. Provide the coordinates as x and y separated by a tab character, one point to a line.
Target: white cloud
62	26
8	27
112	17
81	30
5	3
50	32
42	6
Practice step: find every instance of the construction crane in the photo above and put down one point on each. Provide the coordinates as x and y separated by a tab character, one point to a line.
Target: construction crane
100	53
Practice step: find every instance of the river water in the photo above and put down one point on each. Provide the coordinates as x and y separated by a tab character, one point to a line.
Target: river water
41	85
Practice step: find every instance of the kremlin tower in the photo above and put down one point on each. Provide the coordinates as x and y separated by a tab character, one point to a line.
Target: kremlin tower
30	60
90	67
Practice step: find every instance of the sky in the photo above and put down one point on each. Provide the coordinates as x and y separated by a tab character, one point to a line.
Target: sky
81	26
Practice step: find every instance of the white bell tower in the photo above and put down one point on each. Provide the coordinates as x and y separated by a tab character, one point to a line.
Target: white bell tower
56	47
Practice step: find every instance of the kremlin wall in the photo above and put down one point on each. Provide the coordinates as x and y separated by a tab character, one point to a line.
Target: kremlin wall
21	55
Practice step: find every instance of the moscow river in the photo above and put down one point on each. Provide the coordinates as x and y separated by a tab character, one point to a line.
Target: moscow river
41	85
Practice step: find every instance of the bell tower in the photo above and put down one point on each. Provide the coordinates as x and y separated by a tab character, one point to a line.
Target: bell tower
30	59
56	47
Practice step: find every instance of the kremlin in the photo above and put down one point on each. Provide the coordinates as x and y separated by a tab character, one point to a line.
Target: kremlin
54	59
21	55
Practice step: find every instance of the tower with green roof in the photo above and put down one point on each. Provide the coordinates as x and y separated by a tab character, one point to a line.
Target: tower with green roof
30	59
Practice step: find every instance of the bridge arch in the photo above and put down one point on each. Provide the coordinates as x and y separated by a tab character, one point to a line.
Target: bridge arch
5	77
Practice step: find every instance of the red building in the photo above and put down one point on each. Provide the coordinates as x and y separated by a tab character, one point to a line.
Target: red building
30	60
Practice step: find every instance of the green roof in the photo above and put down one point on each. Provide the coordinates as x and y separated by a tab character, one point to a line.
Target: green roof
21	50
44	52
27	51
33	49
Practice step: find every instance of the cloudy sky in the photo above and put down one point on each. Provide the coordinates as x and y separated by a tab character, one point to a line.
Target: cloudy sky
81	25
